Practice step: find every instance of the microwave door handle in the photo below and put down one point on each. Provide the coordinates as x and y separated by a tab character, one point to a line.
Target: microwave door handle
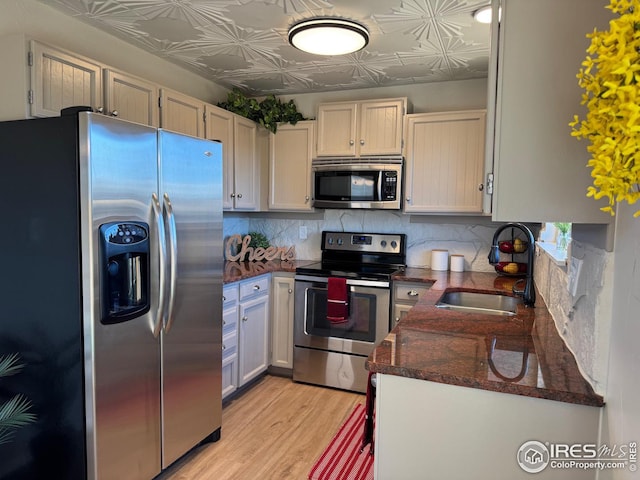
380	173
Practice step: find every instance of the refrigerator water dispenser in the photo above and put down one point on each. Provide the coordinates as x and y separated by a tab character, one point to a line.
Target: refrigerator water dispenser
125	271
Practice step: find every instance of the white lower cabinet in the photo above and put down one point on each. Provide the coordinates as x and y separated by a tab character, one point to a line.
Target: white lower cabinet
282	320
405	296
253	346
443	429
230	310
245	332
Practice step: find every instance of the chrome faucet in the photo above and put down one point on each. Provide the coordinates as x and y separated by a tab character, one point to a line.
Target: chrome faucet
529	292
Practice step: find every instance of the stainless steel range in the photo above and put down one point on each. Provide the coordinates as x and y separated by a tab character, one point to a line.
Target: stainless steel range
334	331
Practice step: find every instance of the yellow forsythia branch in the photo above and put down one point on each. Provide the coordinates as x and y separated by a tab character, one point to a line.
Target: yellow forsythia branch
610	77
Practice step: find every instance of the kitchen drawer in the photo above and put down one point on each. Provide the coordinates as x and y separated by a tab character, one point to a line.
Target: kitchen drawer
409	292
229	320
230	293
255	286
229	377
229	346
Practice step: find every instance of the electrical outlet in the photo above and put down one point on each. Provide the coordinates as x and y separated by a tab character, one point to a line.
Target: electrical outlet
302	232
575	267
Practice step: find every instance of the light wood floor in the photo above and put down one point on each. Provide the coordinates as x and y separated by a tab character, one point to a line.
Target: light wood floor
276	430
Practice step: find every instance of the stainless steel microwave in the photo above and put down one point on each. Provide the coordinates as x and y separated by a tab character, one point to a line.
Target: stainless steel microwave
357	183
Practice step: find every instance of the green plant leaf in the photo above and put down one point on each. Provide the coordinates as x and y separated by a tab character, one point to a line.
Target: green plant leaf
258	240
9	365
14	414
267	113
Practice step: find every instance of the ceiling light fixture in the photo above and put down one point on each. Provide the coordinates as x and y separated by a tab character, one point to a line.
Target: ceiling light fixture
328	36
483	14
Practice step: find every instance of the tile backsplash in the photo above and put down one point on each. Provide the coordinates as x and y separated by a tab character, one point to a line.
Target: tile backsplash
584	320
470	236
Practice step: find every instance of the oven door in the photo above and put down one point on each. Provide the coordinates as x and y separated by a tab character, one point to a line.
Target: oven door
368	324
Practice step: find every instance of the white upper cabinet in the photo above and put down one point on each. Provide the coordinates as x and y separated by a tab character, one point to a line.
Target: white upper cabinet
241	170
540	169
290	151
181	113
246	170
445	162
220	127
130	98
380	127
358	129
337	129
60	79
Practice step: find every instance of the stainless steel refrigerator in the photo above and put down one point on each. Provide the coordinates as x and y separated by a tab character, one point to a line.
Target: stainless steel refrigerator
111	289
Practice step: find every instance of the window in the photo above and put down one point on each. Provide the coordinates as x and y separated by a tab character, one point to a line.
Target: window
555	239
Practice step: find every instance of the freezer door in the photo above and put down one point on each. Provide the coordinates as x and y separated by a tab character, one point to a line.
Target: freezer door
191	194
118	176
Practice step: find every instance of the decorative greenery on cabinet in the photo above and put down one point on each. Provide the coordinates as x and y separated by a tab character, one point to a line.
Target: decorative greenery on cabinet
268	113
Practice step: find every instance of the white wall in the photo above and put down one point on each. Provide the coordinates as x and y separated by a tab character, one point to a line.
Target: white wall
428	97
46	24
621	423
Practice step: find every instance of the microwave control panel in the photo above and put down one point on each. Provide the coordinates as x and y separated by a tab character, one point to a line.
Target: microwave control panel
389	185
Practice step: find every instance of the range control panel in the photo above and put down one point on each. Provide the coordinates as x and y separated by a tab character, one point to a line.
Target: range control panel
364	242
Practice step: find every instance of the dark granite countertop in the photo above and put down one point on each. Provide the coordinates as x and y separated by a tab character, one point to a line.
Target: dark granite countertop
235	271
522	354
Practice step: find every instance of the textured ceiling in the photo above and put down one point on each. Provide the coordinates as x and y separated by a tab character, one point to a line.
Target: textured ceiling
243	43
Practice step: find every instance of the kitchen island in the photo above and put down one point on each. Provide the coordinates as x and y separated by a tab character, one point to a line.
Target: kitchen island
459	393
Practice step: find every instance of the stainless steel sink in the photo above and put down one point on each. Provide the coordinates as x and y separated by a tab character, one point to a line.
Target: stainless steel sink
474	302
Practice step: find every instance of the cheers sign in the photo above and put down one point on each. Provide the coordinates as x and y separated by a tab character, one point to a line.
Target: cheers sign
241	245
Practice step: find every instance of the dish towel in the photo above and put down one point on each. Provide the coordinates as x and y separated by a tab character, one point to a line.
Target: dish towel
337	301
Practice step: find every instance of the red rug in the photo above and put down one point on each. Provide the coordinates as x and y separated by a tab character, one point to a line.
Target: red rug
342	459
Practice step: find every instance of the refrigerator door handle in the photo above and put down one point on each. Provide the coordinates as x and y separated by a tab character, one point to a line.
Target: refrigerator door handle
162	250
173	263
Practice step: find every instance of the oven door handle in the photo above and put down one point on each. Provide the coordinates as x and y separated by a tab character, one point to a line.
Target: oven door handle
350	282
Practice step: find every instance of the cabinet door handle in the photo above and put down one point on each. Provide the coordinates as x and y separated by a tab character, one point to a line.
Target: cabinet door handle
351	142
412	293
233	195
239	195
224	299
290	291
114	113
244	319
361	142
481	187
223	346
306	199
408	199
224	322
256	287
